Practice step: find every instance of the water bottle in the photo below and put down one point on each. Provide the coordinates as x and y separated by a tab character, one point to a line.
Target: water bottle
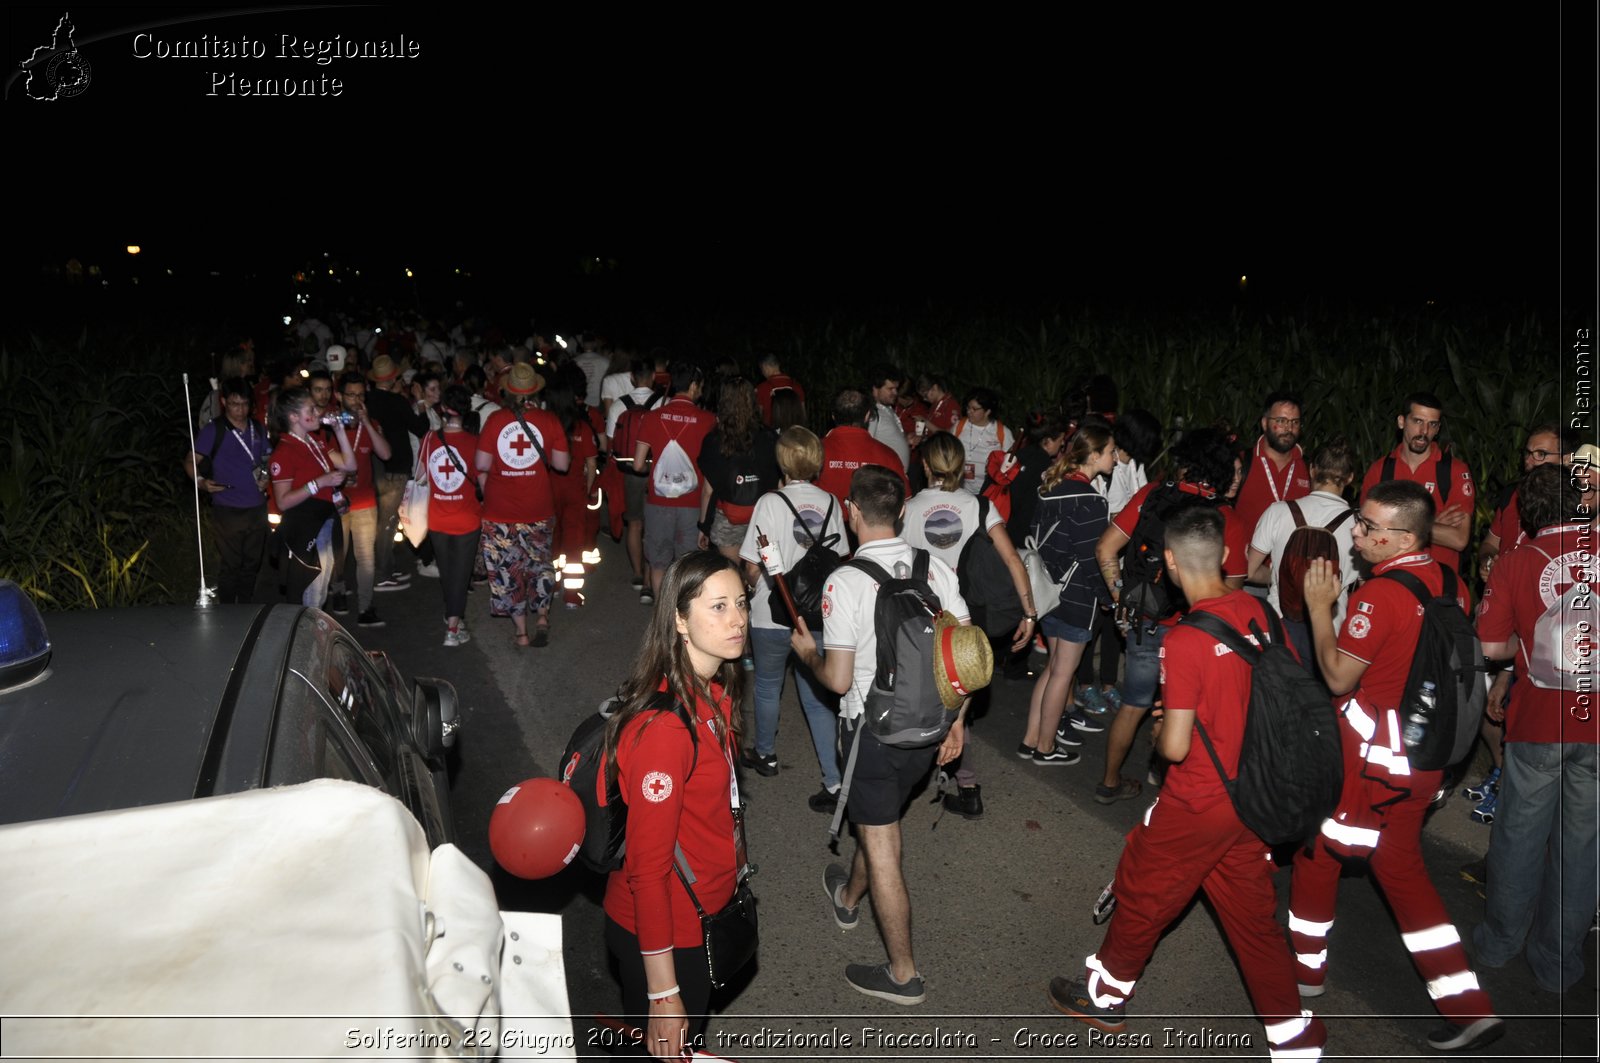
1416	725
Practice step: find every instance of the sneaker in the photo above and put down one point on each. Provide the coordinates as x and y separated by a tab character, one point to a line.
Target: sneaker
1126	789
1072	998
834	877
1056	756
1113	698
1490	783
645	597
1066	736
452	637
824	800
1092	701
400	577
429	569
463	636
1025	751
339	603
1311	990
1453	1038
966	801
638	583
390	584
1082	722
369	619
764	764
1484	813
876	981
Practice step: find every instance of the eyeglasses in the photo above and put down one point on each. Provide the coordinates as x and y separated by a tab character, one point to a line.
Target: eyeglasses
1284	422
1541	455
1367	527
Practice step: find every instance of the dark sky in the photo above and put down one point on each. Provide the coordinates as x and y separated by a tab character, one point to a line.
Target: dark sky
1353	149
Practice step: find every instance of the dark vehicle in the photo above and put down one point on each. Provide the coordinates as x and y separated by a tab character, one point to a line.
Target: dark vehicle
128	707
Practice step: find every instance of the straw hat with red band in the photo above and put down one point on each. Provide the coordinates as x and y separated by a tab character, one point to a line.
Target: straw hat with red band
383	369
963	661
522	380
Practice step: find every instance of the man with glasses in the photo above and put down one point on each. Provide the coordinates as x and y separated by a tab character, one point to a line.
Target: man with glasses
1544	445
229	464
1448	481
1276	471
1379	818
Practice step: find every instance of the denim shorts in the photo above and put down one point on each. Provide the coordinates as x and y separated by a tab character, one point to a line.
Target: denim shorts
1055	628
1142	668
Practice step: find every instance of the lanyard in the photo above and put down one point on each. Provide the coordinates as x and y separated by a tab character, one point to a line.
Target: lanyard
316	452
249	453
1272	484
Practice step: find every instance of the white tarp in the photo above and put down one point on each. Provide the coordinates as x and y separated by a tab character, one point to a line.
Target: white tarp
308	922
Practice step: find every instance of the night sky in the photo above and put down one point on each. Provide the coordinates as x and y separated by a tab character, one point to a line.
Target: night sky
1379	152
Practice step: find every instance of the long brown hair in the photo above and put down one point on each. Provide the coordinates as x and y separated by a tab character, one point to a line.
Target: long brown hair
663	652
737	416
1089	440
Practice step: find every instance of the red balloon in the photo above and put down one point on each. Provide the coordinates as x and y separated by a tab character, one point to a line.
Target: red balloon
536	828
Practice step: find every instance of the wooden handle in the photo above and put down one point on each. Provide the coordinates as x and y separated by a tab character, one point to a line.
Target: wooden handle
777	577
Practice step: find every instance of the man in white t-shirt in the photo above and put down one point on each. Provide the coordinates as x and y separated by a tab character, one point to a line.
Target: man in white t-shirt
594	362
883	777
884	424
1332	469
791	519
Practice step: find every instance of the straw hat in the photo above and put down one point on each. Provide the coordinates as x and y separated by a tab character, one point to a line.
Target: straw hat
523	380
383	369
962	659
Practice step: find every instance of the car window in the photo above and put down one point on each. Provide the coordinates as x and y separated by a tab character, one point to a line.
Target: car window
356	689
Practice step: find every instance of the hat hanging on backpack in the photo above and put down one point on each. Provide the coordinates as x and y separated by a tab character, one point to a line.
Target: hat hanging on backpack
963	661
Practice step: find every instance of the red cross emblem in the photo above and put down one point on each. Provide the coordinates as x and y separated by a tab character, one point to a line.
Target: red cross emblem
657	786
520	444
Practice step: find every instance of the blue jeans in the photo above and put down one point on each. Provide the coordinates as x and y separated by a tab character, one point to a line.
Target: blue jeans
770	647
1542	877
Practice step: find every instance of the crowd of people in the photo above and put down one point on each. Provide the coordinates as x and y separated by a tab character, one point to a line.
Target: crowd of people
1085	534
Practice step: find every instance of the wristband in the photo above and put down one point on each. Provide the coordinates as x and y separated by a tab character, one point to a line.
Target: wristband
312	487
665	994
1033	619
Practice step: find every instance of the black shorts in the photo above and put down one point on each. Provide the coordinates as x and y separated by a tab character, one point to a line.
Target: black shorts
885	777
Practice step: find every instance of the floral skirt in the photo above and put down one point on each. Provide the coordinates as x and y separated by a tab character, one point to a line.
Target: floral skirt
522	578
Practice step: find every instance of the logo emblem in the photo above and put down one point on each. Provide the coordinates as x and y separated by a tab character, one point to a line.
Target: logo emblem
57	71
443	471
1358	626
515	449
657	787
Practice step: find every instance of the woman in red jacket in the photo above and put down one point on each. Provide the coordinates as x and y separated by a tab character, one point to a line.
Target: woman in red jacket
681	793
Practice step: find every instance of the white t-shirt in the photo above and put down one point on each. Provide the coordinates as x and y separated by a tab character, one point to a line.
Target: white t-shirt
1277	524
1127	477
640	396
884	426
594	366
784	532
941	522
614	386
979	444
849	604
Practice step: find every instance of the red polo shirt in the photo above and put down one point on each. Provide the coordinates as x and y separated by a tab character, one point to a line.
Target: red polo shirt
1522	585
846	449
681	420
1507	524
765	389
1427	474
1265	483
1383	622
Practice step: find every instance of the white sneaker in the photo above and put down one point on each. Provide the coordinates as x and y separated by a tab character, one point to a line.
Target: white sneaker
431	570
452	638
463	636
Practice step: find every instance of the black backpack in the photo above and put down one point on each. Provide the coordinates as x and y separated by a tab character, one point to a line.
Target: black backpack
986	584
1438	726
1291	771
1147	593
809	576
584	769
903	707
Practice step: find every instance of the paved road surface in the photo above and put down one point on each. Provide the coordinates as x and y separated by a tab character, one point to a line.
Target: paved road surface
1000	904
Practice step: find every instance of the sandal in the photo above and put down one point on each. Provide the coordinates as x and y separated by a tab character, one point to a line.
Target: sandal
521	639
541	636
1125	789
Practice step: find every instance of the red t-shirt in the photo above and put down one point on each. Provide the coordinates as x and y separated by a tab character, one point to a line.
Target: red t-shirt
518	488
1507	524
670	803
1200	674
944	414
302	460
682	420
1383	622
1522	585
1427	474
362	494
1265	483
908	415
1234	566
846	449
765	389
453	505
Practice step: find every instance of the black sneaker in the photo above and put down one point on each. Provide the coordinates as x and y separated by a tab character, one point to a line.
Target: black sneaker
824	800
966	801
765	764
1072	998
386	585
1057	756
339	603
834	877
1066	736
638	583
645	597
1453	1038
876	981
1083	722
369	619
1025	751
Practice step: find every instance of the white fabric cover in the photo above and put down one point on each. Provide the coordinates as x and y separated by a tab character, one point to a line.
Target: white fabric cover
305	922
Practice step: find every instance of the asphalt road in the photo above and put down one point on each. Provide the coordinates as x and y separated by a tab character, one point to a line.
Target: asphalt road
1000	904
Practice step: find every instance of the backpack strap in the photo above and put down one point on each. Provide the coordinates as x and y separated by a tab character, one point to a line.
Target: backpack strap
919	565
1442	470
1334	524
1299	517
531	438
1388	469
1416	586
879	575
804	526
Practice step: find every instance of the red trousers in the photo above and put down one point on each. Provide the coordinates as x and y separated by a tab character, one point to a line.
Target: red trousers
1173	854
1390	838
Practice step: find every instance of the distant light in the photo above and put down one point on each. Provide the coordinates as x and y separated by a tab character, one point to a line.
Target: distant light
325	254
358	273
1244	280
169	273
330	272
458	273
133	249
287	319
305	372
561	341
410	274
